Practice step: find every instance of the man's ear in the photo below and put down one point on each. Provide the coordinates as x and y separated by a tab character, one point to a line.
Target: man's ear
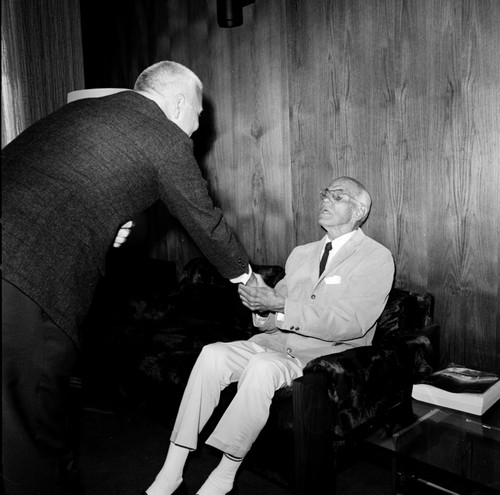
361	212
179	102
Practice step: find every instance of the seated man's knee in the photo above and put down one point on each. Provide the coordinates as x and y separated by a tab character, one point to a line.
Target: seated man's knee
214	347
265	368
211	352
216	354
272	370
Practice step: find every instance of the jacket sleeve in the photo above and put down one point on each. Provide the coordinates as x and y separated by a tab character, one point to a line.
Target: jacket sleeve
185	193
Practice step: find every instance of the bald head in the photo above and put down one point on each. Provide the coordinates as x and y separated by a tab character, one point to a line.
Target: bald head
357	192
176	89
166	78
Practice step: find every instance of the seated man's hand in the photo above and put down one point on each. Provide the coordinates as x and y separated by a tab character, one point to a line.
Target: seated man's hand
123	233
261	298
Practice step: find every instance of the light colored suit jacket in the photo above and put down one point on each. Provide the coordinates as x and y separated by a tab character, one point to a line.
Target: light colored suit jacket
333	312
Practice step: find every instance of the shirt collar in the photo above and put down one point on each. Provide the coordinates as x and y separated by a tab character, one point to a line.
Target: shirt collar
338	242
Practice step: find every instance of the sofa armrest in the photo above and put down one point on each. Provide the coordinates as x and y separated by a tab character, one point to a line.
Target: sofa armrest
362	382
337	394
313	426
423	345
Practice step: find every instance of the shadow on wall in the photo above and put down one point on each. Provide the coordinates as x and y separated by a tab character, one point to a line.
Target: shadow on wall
204	138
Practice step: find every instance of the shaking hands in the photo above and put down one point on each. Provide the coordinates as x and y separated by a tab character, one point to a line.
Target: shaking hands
257	296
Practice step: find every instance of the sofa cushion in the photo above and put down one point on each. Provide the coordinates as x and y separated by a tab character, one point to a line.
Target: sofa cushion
171	351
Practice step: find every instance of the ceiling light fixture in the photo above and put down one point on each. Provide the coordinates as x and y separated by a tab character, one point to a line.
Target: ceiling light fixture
230	12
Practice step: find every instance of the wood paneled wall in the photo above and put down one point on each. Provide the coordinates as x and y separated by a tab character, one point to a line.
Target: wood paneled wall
41	60
404	95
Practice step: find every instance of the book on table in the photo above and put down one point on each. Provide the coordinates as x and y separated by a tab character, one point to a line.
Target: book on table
460	388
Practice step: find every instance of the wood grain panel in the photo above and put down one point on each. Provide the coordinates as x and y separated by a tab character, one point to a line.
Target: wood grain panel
464	136
310	169
397	172
41	60
244	73
401	94
260	134
178	32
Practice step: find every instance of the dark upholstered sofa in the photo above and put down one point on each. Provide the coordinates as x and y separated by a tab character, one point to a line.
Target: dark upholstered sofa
152	335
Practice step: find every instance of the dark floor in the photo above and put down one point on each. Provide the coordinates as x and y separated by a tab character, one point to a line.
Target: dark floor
123	449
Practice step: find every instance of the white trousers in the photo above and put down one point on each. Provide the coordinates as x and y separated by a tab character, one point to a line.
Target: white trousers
259	373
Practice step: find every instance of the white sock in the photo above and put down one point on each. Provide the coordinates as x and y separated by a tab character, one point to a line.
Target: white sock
221	479
170	476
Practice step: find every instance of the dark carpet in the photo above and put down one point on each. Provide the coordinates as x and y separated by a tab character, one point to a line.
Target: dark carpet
122	449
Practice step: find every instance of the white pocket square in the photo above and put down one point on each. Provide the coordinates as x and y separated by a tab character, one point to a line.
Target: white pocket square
334	280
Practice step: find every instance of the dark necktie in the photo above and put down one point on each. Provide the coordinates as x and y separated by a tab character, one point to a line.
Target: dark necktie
324	258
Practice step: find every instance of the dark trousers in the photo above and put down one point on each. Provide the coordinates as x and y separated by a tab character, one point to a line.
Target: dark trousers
38	359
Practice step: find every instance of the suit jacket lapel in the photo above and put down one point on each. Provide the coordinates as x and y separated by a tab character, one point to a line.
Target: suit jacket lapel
313	261
345	251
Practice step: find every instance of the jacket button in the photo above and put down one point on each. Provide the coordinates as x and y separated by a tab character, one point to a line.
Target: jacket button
297	328
313	297
292	327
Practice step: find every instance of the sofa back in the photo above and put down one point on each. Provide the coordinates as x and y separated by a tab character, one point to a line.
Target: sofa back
405	312
201	271
204	294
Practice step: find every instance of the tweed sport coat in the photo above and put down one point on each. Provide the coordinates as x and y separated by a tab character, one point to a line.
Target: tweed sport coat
73	178
333	312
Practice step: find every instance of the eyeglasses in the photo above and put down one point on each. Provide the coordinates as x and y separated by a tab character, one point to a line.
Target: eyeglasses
337	195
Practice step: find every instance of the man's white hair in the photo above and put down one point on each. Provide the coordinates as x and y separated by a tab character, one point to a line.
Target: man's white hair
164	76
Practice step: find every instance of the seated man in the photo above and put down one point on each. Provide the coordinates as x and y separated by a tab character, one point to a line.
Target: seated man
333	292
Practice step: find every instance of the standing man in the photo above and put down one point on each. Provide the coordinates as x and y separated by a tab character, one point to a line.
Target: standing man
68	183
333	293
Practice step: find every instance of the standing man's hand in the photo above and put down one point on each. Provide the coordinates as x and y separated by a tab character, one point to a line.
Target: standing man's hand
256	280
123	233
